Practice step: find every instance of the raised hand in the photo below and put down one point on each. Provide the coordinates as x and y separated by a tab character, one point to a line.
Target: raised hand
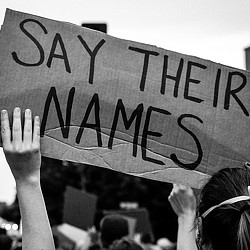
22	146
22	151
182	200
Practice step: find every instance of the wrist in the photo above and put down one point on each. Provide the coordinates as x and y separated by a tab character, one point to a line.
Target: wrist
187	219
32	181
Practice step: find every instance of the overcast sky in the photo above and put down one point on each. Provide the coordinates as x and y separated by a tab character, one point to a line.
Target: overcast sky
218	30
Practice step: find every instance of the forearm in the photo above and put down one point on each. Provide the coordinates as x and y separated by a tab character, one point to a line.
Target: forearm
186	239
37	233
22	151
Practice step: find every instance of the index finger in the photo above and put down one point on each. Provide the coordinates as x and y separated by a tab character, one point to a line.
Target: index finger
5	129
36	132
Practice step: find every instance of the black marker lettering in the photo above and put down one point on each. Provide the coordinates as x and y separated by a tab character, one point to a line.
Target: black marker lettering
38	45
58	39
190	80
97	126
145	65
176	78
137	113
92	56
233	92
146	132
64	128
216	88
189	166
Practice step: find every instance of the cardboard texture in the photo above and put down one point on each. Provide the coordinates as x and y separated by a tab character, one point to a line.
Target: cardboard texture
124	105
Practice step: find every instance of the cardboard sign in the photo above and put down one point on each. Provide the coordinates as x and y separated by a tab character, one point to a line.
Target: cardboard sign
79	208
124	105
70	236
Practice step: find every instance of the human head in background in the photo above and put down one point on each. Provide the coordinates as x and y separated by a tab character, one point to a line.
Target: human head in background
125	244
224	210
113	227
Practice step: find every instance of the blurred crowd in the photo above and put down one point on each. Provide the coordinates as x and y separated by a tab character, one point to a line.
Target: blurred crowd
114	234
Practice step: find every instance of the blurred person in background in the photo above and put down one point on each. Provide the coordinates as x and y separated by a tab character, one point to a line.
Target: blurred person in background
125	244
113	227
147	242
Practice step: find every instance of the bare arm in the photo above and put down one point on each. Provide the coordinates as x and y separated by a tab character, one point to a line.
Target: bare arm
183	203
22	153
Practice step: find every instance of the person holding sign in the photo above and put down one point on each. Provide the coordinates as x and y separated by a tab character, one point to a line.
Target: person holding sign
223	212
21	147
